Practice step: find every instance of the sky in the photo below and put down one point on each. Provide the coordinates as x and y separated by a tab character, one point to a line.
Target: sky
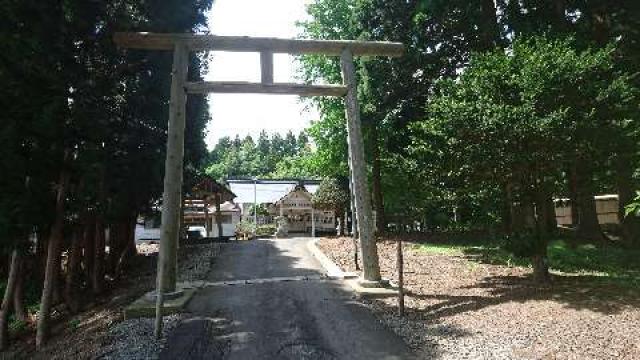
245	114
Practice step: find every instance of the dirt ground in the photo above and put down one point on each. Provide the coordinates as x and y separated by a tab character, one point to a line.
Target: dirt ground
460	308
85	335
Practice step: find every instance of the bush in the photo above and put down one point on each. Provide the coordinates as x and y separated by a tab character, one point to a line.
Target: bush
266	230
245	229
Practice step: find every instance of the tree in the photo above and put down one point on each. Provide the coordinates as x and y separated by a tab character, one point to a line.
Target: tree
439	37
514	119
266	158
333	194
85	146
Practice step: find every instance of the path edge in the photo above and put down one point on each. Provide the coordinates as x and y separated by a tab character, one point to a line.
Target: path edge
333	270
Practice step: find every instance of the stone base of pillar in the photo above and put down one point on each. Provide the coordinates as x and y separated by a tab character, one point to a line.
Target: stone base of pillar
382	283
152	296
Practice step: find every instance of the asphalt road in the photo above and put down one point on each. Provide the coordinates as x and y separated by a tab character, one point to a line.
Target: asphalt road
294	314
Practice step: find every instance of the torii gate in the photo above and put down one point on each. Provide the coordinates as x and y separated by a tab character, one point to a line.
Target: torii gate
181	45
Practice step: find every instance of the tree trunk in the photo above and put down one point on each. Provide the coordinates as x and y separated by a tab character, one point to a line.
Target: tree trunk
541	268
523	216
89	253
99	234
128	247
573	195
376	183
559	15
551	222
507	210
40	260
115	233
19	308
98	264
489	32
219	216
52	269
588	226
73	270
7	301
543	232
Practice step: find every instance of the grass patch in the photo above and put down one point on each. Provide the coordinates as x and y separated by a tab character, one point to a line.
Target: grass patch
607	263
441	249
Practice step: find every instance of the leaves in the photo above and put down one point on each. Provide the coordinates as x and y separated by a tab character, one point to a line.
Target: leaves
332	194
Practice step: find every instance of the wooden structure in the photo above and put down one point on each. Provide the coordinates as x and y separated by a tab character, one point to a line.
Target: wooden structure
206	192
181	45
607	209
298	208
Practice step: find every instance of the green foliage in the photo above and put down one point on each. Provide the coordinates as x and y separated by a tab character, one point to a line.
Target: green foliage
266	230
564	104
519	117
332	194
274	157
633	208
74	324
18	327
245	229
69	90
261	208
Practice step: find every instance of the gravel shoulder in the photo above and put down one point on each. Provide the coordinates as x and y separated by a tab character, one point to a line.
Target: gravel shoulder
458	308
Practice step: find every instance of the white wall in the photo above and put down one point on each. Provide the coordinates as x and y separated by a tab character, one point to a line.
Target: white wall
146	234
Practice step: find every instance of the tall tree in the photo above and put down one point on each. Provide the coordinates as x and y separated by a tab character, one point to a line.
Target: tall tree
509	117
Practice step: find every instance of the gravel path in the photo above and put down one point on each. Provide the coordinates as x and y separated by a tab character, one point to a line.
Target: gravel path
463	309
134	339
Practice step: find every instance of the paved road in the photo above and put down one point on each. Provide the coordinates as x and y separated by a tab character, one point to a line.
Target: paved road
294	319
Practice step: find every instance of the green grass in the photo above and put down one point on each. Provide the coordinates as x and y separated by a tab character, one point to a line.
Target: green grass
442	249
608	263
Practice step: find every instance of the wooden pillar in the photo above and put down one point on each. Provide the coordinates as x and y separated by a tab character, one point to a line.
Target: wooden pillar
369	251
172	196
266	67
172	204
207	222
218	215
313	223
352	197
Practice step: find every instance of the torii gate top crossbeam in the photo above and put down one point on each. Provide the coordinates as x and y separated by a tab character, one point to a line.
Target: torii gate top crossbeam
201	42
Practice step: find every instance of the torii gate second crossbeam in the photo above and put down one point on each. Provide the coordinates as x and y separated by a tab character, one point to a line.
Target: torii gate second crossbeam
181	45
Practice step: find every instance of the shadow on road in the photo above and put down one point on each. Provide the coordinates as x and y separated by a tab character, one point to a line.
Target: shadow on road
300	319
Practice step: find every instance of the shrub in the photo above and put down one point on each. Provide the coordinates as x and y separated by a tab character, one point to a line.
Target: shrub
266	230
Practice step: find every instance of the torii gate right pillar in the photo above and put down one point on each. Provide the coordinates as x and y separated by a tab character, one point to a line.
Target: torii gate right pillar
364	214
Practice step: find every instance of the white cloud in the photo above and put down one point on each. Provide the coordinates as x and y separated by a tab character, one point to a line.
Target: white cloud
247	113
